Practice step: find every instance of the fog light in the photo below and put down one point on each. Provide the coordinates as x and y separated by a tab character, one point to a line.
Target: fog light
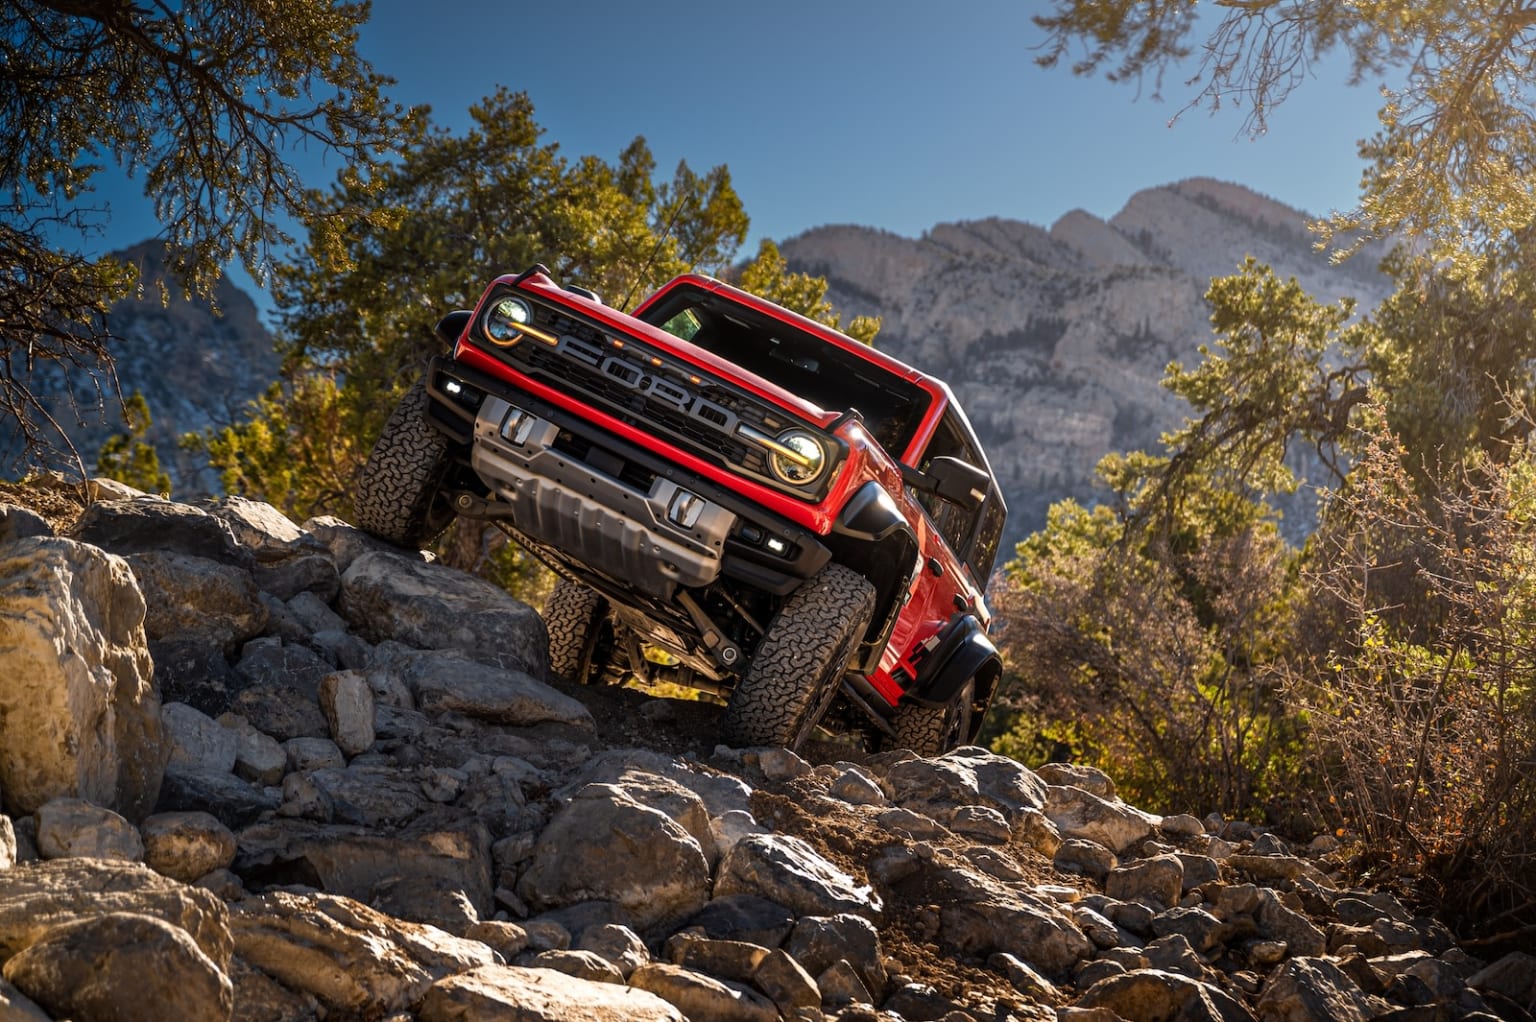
777	546
453	387
685	508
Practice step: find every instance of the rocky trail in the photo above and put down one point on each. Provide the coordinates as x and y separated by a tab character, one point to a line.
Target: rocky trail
262	771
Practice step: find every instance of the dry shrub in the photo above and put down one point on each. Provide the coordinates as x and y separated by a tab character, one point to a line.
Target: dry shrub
1421	700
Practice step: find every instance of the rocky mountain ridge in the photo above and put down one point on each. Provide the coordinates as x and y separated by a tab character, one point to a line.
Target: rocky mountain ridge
257	770
1056	340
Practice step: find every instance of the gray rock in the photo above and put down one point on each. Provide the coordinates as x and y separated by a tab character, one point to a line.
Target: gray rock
1088	858
152	525
1155	882
841	986
347	702
1076	775
605	845
433	900
268	662
616	944
38	896
1151	994
388	595
820	942
306	754
350	957
299	570
1315	990
539	995
699	996
198	742
1203	931
316	613
73	827
788	871
855	786
1280	922
186	846
1082	814
979	916
192	672
368	796
980	823
196	599
1513	976
124	966
744	917
282	711
227	798
19	523
351	861
505	938
449	682
343	649
259	758
79	716
582	964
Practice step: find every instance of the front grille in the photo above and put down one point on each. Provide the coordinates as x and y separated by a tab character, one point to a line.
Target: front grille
650	391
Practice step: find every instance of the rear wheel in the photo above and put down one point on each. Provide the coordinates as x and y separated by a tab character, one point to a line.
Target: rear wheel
400	495
933	731
581	635
795	671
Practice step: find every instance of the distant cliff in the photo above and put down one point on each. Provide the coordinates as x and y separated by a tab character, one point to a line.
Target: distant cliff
197	364
1056	340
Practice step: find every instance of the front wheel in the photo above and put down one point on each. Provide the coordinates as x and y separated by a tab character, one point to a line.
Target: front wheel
399	494
933	731
581	635
795	670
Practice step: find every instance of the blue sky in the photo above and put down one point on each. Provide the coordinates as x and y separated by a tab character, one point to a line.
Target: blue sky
897	114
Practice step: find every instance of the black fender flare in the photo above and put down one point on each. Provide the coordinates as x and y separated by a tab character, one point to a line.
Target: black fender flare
870	515
963	652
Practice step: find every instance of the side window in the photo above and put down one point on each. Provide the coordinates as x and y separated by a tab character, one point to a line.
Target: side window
954	522
984	554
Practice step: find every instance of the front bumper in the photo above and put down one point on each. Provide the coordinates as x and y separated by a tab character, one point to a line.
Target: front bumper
606	507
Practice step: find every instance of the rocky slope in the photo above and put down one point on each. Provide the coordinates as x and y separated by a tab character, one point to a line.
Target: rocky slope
258	771
1056	340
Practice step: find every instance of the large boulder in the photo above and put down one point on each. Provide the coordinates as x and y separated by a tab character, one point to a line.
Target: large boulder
197	599
538	995
787	870
144	524
388	595
79	716
451	682
38	896
355	960
606	846
123	966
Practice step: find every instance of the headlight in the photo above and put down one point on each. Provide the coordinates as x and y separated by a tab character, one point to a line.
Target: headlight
506	320
797	458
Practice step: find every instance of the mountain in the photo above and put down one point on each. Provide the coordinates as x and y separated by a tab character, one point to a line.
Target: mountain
197	364
1056	340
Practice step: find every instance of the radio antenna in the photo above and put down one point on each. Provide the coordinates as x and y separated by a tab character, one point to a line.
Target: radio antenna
677	208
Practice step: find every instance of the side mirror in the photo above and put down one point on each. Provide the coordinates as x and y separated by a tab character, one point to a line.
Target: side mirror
956	481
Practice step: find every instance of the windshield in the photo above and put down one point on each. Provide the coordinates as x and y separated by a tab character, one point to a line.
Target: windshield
892	408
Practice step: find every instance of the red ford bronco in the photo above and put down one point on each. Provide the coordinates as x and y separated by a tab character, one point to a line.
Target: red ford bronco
734	497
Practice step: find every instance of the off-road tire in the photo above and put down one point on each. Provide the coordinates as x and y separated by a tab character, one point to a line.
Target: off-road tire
581	636
933	731
795	670
399	496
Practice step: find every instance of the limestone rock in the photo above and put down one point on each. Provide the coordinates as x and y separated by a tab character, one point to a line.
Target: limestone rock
1153	994
122	966
37	896
197	599
1314	990
497	993
347	702
605	845
186	846
73	827
788	871
197	741
349	956
78	712
699	996
1082	814
449	682
388	595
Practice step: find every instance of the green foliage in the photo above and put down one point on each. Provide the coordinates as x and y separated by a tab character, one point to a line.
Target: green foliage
202	99
768	276
1452	162
127	458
